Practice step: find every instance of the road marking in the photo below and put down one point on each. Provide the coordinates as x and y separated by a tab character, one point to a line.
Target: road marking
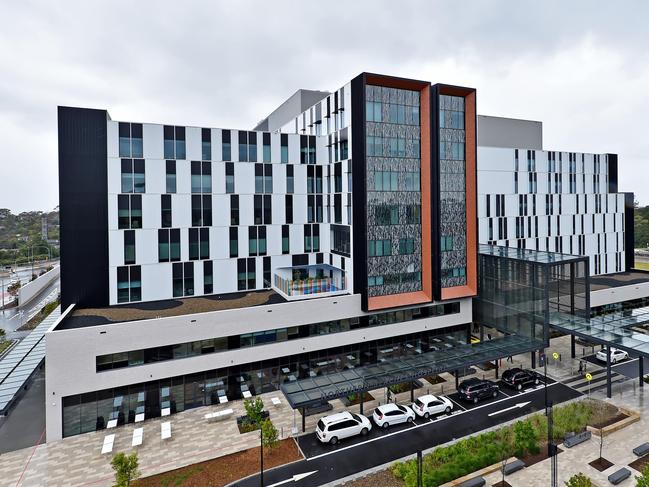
515	406
503	392
456	403
442	418
295	478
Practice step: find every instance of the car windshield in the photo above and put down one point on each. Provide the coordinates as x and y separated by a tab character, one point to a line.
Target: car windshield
357	417
321	425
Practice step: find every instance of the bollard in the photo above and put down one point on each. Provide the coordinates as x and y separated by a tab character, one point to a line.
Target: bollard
281	432
442	389
559	357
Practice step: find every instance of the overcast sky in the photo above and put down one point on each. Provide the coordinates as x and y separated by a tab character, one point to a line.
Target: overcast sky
580	67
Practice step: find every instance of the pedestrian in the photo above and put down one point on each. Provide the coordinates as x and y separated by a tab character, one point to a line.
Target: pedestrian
510	359
581	367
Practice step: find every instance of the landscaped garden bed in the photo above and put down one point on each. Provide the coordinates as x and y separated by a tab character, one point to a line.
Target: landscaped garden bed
435	379
525	439
355	398
226	469
246	425
405	387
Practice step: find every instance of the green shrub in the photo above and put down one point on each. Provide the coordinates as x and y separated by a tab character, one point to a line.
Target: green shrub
126	468
269	435
526	438
579	480
643	479
254	408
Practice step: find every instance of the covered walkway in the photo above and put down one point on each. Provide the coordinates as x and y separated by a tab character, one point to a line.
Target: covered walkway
625	330
315	391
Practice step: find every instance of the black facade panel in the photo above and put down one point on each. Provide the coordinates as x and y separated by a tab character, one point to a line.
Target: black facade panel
83	206
436	259
629	233
359	195
612	173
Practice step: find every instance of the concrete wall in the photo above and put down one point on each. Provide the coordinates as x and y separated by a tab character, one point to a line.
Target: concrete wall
619	294
509	132
71	354
32	289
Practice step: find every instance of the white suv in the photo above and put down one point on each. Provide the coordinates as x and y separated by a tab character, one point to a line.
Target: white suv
429	405
617	355
390	414
335	427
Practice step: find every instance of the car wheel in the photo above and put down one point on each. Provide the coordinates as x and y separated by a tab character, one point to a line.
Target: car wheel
536	381
333	440
519	387
411	419
385	426
448	410
495	394
364	431
475	400
426	415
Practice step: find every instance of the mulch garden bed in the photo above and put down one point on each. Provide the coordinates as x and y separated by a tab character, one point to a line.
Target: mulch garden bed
224	470
614	419
500	483
531	459
640	463
601	464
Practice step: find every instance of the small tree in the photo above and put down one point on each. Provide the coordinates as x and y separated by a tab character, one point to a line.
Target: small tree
599	415
269	435
579	480
3	334
125	467
643	479
254	408
526	438
12	289
505	447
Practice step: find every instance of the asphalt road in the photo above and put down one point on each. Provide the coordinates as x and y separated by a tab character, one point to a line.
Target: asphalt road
11	319
355	455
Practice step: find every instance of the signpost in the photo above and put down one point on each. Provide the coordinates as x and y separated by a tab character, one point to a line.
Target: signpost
589	377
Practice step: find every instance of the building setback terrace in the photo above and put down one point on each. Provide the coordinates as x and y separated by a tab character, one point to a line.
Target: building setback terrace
84	317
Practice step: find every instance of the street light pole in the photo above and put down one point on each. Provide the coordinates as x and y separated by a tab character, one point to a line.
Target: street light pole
261	443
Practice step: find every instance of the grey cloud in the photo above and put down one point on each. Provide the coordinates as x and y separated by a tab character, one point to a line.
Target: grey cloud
228	64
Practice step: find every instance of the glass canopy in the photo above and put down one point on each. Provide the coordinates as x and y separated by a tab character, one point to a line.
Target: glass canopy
538	256
626	330
316	390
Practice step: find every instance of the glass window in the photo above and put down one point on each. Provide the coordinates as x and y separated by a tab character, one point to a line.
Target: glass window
129	247
165	210
284	148
226	151
206	144
171	176
208	287
229	177
266	147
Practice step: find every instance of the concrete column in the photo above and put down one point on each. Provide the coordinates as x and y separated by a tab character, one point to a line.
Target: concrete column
496	362
412	392
572	346
362	397
303	420
457	381
641	370
609	392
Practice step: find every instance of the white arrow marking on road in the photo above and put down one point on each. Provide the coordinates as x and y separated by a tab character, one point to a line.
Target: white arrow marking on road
519	405
295	478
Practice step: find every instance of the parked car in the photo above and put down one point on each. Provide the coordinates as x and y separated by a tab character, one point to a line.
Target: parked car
337	426
519	378
473	390
429	405
616	355
389	414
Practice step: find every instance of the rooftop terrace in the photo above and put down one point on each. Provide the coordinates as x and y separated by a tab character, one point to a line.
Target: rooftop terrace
619	279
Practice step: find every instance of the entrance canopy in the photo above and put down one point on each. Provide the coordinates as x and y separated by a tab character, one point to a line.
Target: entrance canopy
313	391
626	330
